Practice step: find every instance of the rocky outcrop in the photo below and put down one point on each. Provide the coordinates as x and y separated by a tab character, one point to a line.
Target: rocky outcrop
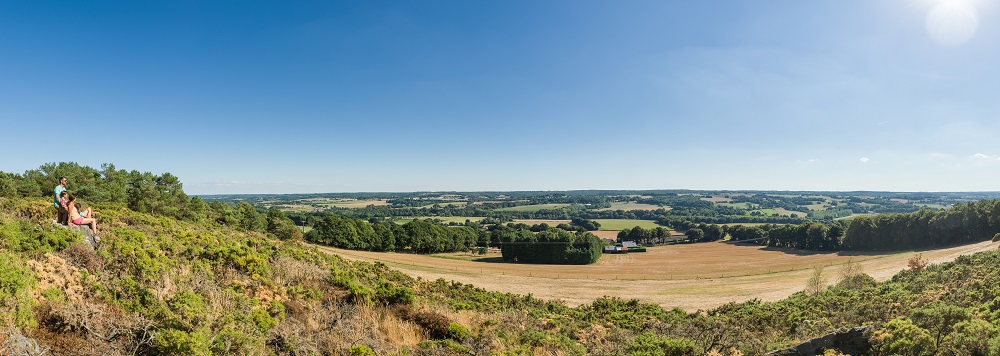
853	341
89	237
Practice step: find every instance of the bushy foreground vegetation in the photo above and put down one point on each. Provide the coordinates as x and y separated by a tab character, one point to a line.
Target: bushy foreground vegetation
228	281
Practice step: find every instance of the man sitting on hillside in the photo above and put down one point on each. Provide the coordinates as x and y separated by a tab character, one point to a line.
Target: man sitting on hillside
63	217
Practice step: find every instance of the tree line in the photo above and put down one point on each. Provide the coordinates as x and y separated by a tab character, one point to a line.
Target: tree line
552	246
418	236
961	223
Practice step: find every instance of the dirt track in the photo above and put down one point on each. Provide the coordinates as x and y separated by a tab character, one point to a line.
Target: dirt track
695	276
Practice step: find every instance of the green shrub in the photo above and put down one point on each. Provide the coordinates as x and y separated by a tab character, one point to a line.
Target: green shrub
16	283
996	237
901	337
277	310
971	337
442	345
263	320
54	295
32	238
391	294
648	343
362	350
180	342
189	309
457	332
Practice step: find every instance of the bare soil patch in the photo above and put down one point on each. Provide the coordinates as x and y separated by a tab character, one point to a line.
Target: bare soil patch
690	276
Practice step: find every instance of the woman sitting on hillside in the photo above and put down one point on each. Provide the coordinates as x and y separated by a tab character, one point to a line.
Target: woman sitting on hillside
78	218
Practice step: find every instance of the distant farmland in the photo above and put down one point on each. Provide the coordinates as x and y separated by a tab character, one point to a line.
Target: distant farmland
630	206
606	224
343	203
445	219
780	211
690	276
534	207
621	224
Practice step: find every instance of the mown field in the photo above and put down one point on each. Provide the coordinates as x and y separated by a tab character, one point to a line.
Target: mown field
692	276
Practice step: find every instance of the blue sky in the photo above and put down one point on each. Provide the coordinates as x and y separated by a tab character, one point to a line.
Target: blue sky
297	97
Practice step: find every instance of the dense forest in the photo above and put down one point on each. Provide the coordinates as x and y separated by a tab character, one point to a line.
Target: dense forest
227	281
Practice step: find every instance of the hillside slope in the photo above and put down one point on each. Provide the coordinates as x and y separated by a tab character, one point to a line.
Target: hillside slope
157	285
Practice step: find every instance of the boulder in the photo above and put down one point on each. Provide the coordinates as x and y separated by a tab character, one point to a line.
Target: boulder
853	341
89	237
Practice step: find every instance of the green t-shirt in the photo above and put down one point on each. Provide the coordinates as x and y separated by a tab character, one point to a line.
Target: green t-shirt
59	190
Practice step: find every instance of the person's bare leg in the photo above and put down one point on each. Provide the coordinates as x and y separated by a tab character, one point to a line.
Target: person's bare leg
88	213
92	222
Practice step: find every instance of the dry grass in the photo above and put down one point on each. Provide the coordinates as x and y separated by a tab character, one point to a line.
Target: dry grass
609	234
693	276
717	199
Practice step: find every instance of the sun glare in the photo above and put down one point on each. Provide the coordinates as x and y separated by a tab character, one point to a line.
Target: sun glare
952	22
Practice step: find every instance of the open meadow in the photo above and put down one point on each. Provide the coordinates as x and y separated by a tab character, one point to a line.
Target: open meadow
690	276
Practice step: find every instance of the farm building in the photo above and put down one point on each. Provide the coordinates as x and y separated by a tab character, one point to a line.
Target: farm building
624	247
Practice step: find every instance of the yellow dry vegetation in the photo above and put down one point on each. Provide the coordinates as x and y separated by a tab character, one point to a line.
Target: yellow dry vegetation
691	276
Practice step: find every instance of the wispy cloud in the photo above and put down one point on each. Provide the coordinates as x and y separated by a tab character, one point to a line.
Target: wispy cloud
864	159
984	156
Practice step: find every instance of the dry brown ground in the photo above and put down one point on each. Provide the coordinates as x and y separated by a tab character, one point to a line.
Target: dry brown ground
694	276
606	234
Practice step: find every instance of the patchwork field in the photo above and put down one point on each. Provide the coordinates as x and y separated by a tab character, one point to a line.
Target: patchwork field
534	207
450	203
718	199
445	219
781	211
609	227
734	205
690	276
541	221
343	203
621	224
630	206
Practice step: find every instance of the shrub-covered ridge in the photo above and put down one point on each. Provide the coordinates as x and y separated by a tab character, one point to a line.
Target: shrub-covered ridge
158	285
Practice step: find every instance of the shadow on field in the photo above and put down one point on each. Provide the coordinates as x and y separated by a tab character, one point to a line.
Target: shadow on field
799	252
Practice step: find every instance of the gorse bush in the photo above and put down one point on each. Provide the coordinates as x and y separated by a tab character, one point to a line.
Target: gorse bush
32	238
16	283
